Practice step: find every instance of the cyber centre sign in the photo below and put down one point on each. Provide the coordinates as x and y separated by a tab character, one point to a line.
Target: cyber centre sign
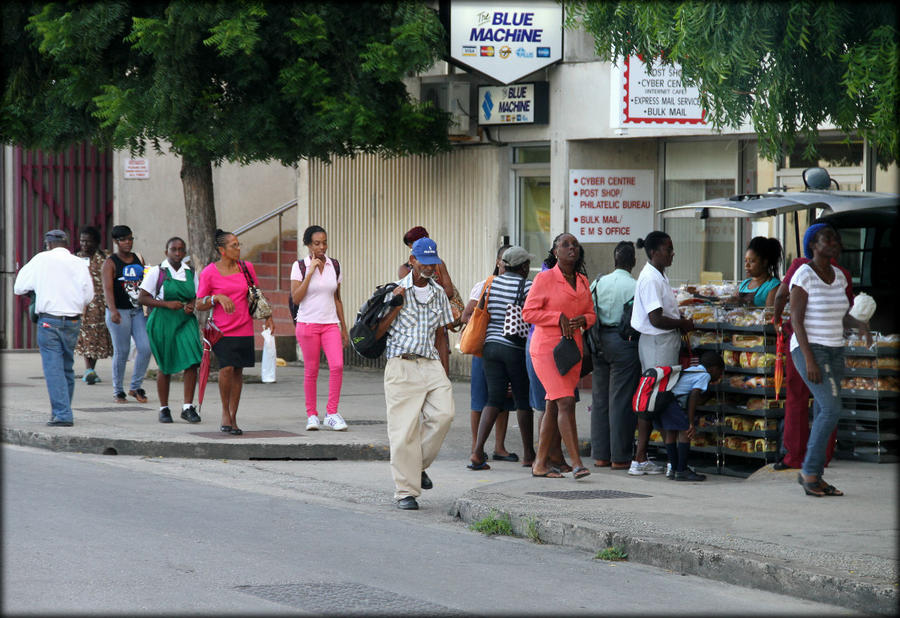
506	40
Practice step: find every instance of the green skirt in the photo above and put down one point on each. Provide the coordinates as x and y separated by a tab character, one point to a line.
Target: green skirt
174	339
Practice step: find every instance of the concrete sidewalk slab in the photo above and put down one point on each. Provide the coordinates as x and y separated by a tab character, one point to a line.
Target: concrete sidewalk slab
761	532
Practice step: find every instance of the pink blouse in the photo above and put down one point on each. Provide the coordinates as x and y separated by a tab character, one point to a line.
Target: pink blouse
238	323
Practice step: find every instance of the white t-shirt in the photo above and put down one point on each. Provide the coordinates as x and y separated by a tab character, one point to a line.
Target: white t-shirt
652	292
825	307
149	282
317	306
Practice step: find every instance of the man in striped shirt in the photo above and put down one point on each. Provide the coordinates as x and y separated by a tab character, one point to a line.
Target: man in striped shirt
417	390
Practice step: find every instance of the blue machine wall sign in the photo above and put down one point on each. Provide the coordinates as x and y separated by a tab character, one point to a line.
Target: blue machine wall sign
514	104
527	35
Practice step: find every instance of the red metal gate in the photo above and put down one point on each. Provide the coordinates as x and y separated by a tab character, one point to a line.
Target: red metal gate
65	190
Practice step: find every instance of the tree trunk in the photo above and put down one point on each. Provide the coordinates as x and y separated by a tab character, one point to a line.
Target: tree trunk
200	209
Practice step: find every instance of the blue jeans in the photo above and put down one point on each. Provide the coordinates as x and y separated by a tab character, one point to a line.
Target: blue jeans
56	340
536	393
133	324
826	402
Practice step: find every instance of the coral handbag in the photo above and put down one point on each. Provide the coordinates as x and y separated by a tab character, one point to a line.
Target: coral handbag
471	340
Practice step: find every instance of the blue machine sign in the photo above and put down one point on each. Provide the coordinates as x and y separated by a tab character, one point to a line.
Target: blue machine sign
513	104
527	36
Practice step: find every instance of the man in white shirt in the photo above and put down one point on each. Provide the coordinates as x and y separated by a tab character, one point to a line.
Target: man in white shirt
62	286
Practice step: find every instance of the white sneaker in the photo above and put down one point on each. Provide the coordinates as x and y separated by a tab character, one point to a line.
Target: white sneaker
312	423
336	422
645	467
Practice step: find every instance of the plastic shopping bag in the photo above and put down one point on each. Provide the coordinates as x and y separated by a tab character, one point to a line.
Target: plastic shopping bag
268	356
132	351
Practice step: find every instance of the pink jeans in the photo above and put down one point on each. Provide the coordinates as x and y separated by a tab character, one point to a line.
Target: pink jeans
312	339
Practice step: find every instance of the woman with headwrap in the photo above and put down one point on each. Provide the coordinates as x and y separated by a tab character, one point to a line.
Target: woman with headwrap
820	311
795	433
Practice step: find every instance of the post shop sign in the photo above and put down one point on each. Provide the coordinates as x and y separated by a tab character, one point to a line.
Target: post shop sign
610	205
652	94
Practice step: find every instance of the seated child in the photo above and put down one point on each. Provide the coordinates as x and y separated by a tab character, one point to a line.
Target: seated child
675	423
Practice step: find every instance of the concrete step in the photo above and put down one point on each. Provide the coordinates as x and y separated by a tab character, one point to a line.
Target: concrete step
270	257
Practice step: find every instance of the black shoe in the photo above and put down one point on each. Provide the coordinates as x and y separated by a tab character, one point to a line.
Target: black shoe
426	482
165	415
408	504
689	475
190	415
56	423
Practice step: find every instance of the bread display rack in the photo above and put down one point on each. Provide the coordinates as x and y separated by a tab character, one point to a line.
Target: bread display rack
744	415
870	392
738	425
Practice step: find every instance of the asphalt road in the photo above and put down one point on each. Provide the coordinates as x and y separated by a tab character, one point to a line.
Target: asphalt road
87	534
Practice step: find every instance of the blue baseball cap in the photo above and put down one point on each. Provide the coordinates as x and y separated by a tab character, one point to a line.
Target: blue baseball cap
425	250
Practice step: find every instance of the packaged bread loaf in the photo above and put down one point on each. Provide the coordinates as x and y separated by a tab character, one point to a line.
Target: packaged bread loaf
764	424
858	362
890	383
888	341
748	341
888	362
756	403
729	358
761	445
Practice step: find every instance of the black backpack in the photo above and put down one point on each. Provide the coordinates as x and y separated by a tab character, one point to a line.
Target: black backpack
362	335
302	265
626	330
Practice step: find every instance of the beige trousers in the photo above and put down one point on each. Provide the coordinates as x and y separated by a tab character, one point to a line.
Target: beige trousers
419	401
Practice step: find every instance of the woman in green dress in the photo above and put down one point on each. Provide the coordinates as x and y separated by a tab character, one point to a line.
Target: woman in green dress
170	289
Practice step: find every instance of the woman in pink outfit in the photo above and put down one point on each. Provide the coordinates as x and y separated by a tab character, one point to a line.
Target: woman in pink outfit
316	290
223	288
559	305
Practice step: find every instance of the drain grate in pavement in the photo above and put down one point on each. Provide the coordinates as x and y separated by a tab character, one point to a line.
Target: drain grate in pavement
262	433
594	494
364	422
116	408
345	599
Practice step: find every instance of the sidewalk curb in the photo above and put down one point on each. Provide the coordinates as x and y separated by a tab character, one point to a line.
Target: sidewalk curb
715	563
193	450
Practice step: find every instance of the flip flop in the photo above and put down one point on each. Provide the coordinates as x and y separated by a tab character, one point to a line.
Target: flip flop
580	472
830	490
510	457
225	428
549	474
482	466
811	489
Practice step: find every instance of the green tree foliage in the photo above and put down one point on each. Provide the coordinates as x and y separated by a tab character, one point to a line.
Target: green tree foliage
237	81
788	67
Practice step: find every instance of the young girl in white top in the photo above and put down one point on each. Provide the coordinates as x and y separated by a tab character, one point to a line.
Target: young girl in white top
655	315
316	290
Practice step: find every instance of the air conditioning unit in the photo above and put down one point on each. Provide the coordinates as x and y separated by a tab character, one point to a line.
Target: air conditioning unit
453	98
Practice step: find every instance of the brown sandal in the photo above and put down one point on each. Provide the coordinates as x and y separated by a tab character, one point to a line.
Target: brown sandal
829	490
811	489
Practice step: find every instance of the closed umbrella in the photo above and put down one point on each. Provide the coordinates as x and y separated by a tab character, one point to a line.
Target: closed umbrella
779	363
211	334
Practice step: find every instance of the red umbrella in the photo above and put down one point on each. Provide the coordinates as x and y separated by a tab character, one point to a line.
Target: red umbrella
779	362
211	334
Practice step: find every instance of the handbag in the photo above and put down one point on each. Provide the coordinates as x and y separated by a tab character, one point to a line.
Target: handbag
471	341
514	327
456	308
260	309
566	355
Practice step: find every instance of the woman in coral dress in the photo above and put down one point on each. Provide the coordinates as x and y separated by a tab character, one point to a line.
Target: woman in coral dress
559	305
